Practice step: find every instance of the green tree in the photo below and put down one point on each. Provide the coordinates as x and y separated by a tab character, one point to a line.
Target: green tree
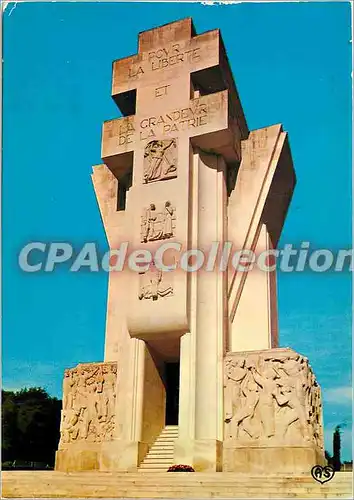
30	425
9	428
336	448
328	457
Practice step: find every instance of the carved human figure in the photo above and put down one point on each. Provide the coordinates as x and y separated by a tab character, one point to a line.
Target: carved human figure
316	411
108	430
70	425
295	382
150	219
267	381
235	372
150	290
83	398
94	395
157	225
158	164
245	397
295	411
243	418
80	395
313	402
68	391
155	288
109	395
100	397
167	225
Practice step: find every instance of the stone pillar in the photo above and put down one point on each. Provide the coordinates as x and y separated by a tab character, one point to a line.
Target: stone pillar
184	445
209	316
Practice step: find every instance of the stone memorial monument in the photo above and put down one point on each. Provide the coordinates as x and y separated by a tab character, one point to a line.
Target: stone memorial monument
193	373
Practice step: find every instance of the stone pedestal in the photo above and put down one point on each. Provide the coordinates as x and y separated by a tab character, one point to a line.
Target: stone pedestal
78	457
273	413
271	460
122	456
88	420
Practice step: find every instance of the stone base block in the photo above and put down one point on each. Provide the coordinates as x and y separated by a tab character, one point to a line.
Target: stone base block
203	455
271	460
122	456
77	458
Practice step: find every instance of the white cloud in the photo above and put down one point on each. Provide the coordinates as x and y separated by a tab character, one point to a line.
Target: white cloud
340	395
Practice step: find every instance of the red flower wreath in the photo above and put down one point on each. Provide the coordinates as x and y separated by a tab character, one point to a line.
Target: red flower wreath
181	468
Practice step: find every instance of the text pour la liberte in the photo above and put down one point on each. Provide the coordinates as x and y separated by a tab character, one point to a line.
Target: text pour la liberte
165	57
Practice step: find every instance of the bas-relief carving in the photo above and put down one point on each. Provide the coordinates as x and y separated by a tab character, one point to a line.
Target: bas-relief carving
88	403
160	160
154	284
272	400
158	225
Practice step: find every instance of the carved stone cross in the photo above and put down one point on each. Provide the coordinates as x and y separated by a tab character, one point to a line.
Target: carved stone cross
175	88
180	166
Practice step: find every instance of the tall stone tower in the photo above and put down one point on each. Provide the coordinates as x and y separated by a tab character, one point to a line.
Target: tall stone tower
191	358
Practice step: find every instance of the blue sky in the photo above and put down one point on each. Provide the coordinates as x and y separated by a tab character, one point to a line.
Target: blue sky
291	63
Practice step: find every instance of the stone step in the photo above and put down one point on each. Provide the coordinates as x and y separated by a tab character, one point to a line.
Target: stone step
140	481
160	454
167	439
157	461
116	490
162	446
164	463
149	471
158	458
159	443
161	449
343	478
160	465
151	464
144	483
219	477
151	482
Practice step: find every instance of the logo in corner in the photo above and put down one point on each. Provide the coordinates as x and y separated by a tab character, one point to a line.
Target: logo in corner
322	474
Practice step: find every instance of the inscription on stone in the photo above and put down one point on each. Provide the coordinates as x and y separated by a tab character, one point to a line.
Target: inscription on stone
201	113
158	225
160	160
177	120
165	57
161	91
